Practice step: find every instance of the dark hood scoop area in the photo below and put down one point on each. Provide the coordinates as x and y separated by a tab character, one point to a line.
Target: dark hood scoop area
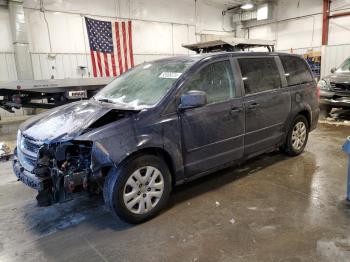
111	116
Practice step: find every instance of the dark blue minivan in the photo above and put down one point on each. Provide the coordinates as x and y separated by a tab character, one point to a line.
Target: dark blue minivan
164	123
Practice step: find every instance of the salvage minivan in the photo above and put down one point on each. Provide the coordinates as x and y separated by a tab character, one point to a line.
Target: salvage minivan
164	123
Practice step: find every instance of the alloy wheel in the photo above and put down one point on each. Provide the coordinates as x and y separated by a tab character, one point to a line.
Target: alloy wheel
299	136
143	190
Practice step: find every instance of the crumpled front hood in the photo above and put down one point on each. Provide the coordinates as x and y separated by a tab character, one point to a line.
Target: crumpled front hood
65	122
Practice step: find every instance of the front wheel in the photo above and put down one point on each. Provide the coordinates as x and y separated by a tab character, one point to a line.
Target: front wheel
138	189
297	136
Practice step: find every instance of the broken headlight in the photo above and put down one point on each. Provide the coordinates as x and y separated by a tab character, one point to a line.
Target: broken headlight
323	85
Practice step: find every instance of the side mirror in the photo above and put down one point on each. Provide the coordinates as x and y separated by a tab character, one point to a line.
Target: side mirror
333	70
193	99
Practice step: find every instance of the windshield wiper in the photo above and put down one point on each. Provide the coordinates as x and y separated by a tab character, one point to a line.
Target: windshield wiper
106	100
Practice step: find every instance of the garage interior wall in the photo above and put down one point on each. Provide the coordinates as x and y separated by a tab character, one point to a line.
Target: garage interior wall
159	29
297	25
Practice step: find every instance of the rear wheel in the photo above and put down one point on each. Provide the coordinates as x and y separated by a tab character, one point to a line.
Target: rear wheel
297	136
138	189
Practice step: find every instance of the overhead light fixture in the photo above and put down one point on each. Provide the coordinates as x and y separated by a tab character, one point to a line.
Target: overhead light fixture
247	6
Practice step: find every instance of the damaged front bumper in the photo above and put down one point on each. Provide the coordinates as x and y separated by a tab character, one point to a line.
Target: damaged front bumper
27	177
58	171
335	99
343	102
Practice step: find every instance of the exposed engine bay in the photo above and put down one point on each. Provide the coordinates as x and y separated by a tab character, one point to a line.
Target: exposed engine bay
66	168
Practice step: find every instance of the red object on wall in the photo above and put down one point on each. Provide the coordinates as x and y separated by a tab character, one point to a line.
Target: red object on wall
325	26
339	14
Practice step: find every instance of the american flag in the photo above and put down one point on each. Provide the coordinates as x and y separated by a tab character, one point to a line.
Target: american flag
110	47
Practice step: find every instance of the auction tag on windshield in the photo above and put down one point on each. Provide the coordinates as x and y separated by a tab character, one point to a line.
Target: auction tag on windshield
169	75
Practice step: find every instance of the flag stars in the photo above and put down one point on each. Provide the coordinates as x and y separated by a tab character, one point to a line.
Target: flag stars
100	35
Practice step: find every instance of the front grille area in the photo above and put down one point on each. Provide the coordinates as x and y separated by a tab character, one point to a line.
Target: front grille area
340	87
30	145
29	161
28	152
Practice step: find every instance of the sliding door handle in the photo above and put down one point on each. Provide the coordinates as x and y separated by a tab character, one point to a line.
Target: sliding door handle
252	106
236	109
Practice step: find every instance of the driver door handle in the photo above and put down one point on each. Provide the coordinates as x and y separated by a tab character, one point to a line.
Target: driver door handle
252	106
236	109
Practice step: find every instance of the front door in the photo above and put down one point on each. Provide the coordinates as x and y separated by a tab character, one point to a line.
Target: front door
267	104
213	135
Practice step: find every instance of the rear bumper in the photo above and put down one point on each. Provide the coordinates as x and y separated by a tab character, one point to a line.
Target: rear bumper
27	177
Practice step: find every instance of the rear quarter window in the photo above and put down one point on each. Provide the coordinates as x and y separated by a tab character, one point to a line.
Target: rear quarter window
259	74
296	70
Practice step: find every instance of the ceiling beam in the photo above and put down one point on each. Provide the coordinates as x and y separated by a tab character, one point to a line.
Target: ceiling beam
339	14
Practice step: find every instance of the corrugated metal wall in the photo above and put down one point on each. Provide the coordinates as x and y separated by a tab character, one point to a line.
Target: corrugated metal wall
333	56
66	65
8	73
7	67
60	66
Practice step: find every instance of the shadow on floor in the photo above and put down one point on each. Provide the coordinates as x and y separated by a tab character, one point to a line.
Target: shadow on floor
47	220
221	178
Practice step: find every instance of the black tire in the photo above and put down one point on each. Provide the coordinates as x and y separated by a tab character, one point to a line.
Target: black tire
288	146
117	178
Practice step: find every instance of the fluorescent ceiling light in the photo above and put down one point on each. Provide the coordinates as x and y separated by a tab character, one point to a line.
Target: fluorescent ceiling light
247	6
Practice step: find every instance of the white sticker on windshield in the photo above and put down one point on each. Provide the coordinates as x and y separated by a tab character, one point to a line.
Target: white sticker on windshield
169	75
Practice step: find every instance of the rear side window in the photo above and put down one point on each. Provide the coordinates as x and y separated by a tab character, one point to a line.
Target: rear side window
259	74
296	70
216	80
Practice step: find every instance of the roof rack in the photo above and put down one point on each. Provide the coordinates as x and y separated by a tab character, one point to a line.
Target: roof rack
228	44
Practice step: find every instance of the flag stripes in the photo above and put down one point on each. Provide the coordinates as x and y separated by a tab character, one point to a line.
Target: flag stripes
130	44
117	35
125	47
111	49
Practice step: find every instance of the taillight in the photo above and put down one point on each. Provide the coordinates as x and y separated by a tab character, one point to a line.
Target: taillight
318	92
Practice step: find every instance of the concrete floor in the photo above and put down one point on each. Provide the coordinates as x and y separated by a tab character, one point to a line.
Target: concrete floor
272	208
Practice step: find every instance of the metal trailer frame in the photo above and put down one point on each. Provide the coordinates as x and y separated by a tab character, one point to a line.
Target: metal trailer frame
23	93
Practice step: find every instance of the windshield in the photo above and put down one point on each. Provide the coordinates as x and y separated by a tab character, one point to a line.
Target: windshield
345	67
144	85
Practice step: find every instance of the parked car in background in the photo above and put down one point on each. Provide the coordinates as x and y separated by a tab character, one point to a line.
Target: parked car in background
166	122
335	88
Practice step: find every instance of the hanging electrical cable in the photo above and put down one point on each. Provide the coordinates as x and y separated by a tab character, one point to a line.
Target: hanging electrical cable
42	9
313	31
195	19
